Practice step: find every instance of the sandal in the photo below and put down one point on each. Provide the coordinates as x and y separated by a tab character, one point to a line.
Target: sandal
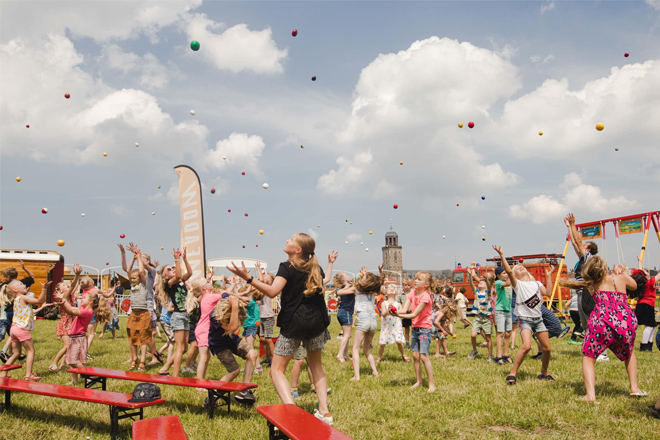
548	377
640	394
33	378
508	360
141	368
341	359
655	412
473	354
441	356
132	366
406	358
511	380
53	369
500	361
158	355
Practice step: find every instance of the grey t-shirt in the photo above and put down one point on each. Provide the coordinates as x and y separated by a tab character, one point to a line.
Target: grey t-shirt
266	308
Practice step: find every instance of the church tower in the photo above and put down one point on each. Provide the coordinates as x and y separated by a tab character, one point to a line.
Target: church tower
392	252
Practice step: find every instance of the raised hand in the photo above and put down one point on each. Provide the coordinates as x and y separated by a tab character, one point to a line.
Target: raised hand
184	253
46	284
22	264
121	248
498	249
156	263
175	253
571	219
77	270
239	271
132	247
332	257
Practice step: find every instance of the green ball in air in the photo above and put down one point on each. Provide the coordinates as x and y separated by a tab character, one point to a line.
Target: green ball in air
194	45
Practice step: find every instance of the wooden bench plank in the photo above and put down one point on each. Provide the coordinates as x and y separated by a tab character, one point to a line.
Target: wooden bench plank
4	367
165	380
298	424
160	428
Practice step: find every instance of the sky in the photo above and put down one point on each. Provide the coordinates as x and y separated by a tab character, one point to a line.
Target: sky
394	79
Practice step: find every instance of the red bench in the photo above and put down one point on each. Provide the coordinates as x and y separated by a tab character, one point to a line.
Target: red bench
159	428
296	424
120	407
217	389
4	367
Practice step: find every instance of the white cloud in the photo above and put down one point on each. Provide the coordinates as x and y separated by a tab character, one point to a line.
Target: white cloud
151	73
96	119
237	48
241	150
568	117
99	20
312	233
578	197
414	99
537	59
549	6
655	4
121	210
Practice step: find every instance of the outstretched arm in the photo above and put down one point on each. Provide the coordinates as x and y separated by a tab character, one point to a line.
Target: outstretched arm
25	269
270	290
472	276
569	221
332	257
505	265
189	270
143	273
42	295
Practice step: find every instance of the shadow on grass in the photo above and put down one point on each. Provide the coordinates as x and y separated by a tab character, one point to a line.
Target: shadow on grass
69	421
238	411
606	388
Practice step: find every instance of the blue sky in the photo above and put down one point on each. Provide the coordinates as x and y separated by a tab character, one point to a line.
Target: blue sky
394	80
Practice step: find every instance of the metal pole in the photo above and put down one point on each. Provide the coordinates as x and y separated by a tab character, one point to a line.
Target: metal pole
561	265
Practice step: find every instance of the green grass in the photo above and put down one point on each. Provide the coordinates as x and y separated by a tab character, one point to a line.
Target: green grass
472	400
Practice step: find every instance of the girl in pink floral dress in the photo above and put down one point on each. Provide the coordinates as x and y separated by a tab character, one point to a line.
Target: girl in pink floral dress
612	324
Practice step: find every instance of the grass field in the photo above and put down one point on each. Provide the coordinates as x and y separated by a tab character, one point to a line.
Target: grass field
472	400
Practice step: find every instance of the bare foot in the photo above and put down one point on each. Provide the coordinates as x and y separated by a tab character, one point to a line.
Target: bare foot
127	362
376	374
588	399
439	355
354	379
154	362
417	385
451	353
432	389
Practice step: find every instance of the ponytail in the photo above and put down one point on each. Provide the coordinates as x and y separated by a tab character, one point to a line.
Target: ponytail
309	264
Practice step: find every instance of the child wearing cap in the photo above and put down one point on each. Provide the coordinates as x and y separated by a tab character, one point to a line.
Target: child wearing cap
503	320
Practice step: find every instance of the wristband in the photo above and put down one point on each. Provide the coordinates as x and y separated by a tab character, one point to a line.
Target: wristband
250	280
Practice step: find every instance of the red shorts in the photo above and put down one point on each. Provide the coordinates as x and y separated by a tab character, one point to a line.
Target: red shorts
19	334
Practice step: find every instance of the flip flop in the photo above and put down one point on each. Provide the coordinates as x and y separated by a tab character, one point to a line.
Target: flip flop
53	369
159	356
640	394
511	380
548	377
406	358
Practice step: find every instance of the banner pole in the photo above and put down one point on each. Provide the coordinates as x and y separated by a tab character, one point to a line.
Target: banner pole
646	236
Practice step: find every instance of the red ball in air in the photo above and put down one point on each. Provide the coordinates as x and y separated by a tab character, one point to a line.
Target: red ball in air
471	124
246	214
1	228
257	245
122	236
520	260
294	32
107	263
212	190
626	54
396	206
44	210
243	246
229	210
458	204
243	173
27	126
67	96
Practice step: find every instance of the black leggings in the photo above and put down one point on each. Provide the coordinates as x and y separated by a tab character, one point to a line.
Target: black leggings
575	316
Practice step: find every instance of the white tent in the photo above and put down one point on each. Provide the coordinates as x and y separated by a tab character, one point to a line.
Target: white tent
221	263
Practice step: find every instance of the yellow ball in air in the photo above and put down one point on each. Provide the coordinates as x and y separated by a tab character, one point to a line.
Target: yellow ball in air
18	179
460	125
540	133
60	243
371	232
105	154
600	126
261	232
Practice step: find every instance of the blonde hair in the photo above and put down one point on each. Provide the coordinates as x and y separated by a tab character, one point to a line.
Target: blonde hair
338	280
257	295
428	278
99	306
159	286
308	264
449	309
11	273
86	283
8	292
513	269
222	312
593	273
369	284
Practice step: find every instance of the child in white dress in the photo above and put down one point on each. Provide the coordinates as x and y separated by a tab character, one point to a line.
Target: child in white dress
391	330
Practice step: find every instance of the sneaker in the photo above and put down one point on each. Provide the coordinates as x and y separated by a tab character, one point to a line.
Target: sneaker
340	336
603	358
188	370
563	333
194	366
473	354
325	419
22	357
258	370
245	397
295	394
578	334
538	355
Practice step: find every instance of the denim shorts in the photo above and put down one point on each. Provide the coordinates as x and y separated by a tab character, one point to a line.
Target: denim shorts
93	321
367	322
503	321
344	317
534	324
250	331
514	317
180	321
420	340
4	328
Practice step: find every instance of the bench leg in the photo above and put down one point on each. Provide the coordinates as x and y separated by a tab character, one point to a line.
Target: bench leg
275	435
116	414
7	399
90	381
214	396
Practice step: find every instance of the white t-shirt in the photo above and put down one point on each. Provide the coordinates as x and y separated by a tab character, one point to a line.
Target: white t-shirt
364	303
528	293
460	300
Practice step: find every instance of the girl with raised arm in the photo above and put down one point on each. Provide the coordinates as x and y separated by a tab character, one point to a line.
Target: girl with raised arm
303	315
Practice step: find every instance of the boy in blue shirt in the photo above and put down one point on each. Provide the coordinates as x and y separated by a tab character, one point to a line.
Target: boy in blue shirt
483	311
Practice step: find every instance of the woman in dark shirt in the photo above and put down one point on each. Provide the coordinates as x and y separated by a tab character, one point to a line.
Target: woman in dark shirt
303	316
